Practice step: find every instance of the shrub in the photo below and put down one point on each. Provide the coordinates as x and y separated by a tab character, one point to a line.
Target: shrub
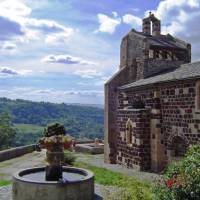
69	158
181	181
129	192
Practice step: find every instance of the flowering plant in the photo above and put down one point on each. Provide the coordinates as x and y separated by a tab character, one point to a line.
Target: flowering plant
181	181
60	140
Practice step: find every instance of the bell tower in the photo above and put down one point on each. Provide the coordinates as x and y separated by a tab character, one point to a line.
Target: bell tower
151	25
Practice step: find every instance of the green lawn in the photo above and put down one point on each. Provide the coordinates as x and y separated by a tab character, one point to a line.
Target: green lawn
29	128
27	134
129	188
4	183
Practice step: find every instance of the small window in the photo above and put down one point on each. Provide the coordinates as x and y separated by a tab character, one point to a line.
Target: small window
197	99
165	55
129	131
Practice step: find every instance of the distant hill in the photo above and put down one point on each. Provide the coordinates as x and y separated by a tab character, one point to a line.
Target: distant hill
81	121
88	105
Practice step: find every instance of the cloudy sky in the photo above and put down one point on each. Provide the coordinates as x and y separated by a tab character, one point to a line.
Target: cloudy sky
65	50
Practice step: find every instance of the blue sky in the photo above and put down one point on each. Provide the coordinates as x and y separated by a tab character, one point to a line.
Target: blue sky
65	50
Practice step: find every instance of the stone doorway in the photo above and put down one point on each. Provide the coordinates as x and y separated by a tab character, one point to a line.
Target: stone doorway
179	147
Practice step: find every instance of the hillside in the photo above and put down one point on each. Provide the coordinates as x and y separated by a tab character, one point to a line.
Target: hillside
30	117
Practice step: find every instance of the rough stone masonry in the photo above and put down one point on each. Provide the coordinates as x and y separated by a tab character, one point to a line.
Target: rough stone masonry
152	104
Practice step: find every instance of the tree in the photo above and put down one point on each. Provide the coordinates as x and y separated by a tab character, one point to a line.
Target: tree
7	132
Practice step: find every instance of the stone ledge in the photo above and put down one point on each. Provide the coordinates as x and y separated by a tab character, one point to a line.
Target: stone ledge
16	152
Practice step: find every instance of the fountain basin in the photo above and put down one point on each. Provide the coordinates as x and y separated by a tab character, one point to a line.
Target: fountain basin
30	184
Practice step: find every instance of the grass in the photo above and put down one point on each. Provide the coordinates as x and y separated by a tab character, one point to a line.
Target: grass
27	128
128	187
4	183
6	163
103	176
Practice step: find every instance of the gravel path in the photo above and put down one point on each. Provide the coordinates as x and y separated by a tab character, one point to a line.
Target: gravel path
5	193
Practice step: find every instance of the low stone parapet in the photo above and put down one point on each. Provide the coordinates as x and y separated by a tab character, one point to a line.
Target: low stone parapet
16	152
90	148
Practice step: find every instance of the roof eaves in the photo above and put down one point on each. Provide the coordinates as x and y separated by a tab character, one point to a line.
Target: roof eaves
128	86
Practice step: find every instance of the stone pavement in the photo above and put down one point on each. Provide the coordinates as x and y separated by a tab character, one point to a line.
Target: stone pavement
8	167
5	193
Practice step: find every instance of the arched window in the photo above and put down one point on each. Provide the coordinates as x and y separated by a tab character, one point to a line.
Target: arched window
129	131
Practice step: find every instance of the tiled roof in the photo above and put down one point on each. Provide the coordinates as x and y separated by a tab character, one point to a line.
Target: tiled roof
164	41
186	71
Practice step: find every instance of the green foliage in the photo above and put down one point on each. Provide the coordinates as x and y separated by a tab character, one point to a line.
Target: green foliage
126	188
79	121
7	131
27	134
102	176
132	192
69	158
4	183
181	181
54	129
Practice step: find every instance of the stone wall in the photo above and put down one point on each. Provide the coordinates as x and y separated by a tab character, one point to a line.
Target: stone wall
172	115
132	47
136	154
16	152
179	114
153	66
138	60
110	114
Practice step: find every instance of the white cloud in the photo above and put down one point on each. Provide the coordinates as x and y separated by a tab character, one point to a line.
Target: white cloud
58	38
115	14
135	9
16	23
108	24
102	80
181	18
88	73
173	28
8	46
131	19
67	59
56	96
7	72
14	10
170	8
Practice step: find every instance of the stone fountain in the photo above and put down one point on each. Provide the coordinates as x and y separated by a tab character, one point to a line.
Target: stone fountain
54	181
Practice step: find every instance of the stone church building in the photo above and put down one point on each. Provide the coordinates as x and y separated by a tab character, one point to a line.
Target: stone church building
152	104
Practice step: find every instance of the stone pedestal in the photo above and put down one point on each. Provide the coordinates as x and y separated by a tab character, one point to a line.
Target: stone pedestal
54	169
